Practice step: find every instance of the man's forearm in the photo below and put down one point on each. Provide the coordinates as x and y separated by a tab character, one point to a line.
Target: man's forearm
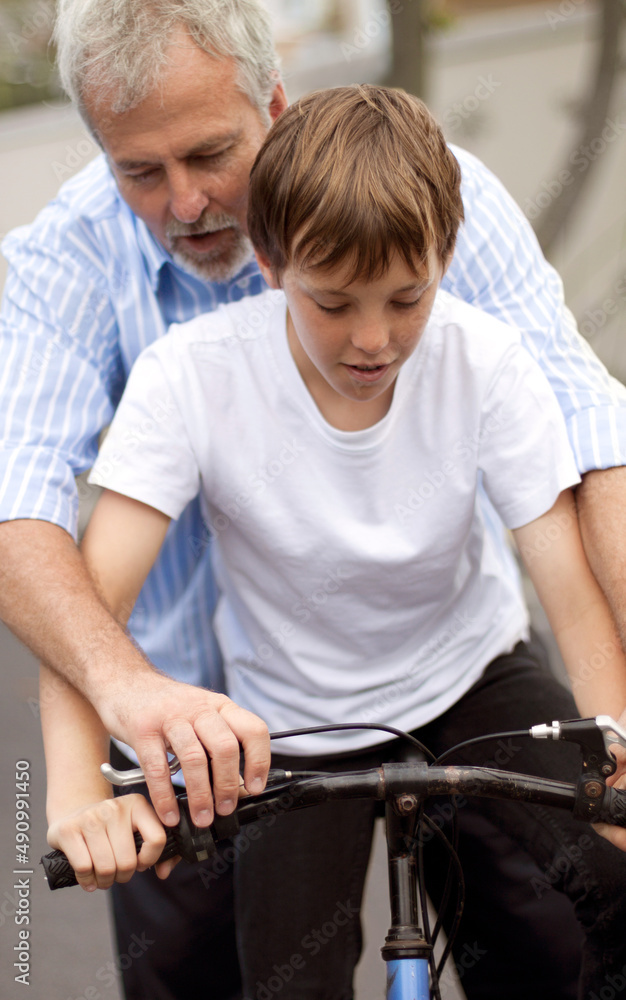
47	598
601	501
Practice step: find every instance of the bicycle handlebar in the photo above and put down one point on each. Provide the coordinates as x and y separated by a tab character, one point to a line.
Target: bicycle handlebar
589	799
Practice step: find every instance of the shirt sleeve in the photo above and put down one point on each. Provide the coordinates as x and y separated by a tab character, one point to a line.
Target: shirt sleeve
524	453
147	453
59	369
499	267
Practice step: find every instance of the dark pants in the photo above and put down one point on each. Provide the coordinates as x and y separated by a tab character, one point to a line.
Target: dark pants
189	918
299	885
176	938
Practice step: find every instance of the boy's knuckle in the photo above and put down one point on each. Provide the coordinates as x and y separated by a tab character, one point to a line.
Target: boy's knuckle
125	871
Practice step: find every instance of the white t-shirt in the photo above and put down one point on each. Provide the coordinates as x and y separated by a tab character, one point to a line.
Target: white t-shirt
360	576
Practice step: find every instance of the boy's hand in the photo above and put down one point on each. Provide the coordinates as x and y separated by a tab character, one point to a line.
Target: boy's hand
616	834
157	714
98	841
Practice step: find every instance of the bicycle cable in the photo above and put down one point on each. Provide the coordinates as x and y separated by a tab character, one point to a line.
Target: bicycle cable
341	726
436	969
445	896
423	901
513	734
456	863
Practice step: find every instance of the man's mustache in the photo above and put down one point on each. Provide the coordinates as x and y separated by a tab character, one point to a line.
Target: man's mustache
208	222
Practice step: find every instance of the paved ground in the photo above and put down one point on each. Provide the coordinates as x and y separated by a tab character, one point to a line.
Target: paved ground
69	936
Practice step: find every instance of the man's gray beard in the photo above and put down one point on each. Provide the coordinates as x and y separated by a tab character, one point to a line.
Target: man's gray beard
222	267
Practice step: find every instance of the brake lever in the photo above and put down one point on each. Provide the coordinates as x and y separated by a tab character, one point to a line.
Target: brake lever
134	776
594	737
611	730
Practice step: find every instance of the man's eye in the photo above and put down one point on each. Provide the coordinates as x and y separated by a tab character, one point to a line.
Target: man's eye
210	159
141	178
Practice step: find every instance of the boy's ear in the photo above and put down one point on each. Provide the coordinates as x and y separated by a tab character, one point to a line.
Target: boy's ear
447	260
267	271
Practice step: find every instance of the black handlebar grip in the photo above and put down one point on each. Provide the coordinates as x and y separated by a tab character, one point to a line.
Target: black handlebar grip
60	874
613	807
59	871
617	805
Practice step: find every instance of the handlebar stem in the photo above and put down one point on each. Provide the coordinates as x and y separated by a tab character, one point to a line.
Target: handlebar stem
405	938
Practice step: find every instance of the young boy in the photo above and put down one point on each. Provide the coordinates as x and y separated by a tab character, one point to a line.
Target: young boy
353	433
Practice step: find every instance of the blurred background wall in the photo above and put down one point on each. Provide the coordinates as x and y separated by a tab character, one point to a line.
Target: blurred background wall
511	82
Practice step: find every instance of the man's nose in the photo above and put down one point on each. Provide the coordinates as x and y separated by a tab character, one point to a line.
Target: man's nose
187	197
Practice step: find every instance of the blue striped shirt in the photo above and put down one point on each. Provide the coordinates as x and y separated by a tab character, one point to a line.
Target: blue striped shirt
89	287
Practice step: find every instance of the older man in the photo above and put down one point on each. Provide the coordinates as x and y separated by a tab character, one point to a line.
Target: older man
179	95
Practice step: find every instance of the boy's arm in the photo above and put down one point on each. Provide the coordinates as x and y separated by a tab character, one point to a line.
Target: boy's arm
85	821
577	610
93	829
120	546
581	620
601	502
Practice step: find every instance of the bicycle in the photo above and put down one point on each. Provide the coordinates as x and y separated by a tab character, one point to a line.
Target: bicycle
412	973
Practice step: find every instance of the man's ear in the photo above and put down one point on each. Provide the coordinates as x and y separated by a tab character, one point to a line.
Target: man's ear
268	272
278	101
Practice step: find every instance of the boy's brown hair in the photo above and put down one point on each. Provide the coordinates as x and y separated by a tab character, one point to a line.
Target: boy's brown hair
355	174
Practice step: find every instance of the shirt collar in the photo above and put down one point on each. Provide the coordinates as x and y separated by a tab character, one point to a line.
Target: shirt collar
153	252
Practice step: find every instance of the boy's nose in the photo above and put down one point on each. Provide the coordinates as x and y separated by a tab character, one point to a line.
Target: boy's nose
371	337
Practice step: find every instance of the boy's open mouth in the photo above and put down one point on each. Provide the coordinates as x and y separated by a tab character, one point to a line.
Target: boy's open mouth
367	373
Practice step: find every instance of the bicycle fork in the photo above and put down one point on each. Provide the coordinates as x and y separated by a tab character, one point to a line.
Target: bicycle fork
406	951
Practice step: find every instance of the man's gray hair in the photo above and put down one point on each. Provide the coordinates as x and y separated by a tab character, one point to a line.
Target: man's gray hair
117	49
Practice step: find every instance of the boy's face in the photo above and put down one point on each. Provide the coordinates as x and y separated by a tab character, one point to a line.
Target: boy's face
352	337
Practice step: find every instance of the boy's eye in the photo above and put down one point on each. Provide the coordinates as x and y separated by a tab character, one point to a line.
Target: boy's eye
331	309
407	305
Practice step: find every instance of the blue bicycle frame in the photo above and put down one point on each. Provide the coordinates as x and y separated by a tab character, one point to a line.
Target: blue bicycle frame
407	979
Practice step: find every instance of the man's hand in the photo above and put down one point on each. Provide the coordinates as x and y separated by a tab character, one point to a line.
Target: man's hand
156	714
